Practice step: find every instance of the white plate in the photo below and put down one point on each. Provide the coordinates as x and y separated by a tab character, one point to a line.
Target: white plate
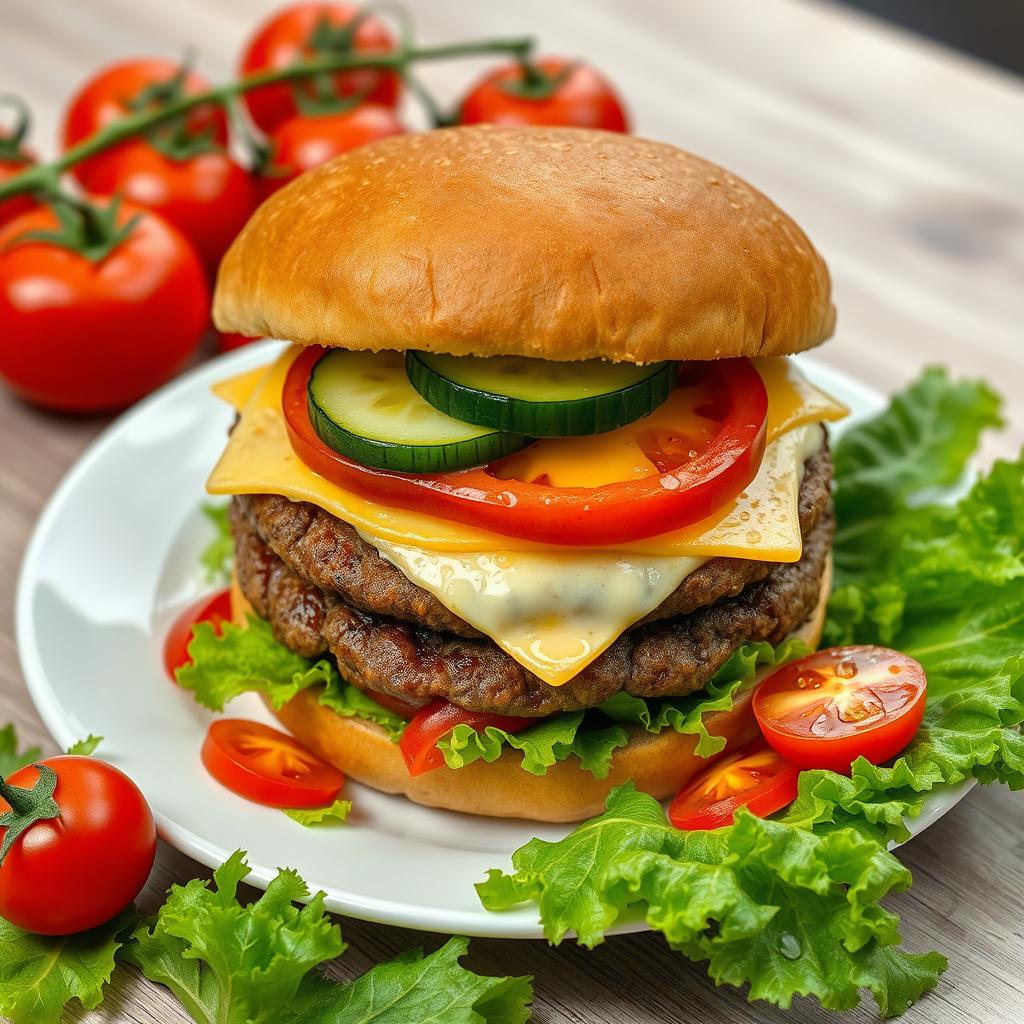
113	559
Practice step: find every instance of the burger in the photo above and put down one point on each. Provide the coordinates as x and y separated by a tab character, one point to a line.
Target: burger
535	475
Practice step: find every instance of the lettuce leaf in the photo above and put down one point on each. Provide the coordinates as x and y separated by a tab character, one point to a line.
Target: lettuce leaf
335	813
414	988
218	557
40	975
256	964
779	908
11	758
250	660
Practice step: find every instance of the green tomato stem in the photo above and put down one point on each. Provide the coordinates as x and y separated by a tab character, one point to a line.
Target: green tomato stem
42	176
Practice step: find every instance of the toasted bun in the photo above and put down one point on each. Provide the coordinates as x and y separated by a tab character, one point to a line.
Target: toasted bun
557	243
658	764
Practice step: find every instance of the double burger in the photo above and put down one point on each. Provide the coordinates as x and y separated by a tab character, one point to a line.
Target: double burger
535	450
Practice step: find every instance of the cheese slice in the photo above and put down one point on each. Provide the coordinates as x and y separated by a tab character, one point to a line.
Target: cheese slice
552	609
761	523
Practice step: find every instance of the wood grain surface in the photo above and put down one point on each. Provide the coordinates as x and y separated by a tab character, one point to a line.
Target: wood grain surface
904	162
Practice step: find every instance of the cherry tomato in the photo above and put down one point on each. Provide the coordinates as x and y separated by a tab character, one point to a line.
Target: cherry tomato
685	491
213	608
72	873
833	706
207	197
568	93
84	336
229	342
13	160
112	93
754	777
268	766
306	142
435	721
305	30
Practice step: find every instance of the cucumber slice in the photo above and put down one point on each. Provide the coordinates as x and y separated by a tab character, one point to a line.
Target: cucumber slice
539	398
362	405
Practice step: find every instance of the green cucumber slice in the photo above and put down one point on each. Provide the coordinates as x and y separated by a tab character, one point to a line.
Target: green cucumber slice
362	405
539	398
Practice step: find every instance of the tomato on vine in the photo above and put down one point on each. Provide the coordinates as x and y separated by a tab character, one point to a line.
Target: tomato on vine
14	158
548	91
78	843
100	304
306	142
133	85
207	196
307	30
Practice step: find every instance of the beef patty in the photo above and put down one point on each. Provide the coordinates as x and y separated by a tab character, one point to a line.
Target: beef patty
328	553
670	656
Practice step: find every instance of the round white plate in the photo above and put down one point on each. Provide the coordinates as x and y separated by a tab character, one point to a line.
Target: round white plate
114	558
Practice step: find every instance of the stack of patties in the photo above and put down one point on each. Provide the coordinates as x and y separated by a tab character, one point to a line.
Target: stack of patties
535	468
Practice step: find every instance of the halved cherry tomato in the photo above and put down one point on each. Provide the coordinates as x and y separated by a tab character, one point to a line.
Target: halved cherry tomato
435	721
565	93
306	142
828	709
213	608
309	29
754	777
689	491
268	766
118	89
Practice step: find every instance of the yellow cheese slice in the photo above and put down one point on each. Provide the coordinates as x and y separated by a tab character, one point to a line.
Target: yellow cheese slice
761	523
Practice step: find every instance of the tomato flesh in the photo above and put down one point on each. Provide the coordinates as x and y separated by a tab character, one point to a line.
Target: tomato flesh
75	872
755	777
611	513
213	608
268	766
833	706
436	720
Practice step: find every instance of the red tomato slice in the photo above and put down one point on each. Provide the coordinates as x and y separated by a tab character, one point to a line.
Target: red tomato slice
402	708
213	608
828	709
436	720
613	513
268	766
754	777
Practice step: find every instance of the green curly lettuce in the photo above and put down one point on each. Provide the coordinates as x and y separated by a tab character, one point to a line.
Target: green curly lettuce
792	906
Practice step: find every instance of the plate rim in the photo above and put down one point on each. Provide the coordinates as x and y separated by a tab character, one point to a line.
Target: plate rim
517	923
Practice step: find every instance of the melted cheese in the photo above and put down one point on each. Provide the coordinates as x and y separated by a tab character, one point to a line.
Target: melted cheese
553	609
761	523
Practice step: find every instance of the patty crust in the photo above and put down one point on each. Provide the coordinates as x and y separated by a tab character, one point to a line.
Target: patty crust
329	554
670	657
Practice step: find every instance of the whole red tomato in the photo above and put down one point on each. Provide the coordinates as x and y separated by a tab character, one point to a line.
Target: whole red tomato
112	93
306	142
70	873
86	335
565	93
207	197
302	31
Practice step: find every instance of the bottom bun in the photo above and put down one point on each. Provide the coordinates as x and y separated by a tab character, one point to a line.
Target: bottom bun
658	764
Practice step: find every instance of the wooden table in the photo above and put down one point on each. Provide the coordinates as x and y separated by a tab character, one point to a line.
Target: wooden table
904	162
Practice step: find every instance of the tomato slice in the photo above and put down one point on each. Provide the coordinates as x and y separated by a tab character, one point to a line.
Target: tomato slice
436	720
828	709
685	492
213	608
268	766
402	708
754	777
